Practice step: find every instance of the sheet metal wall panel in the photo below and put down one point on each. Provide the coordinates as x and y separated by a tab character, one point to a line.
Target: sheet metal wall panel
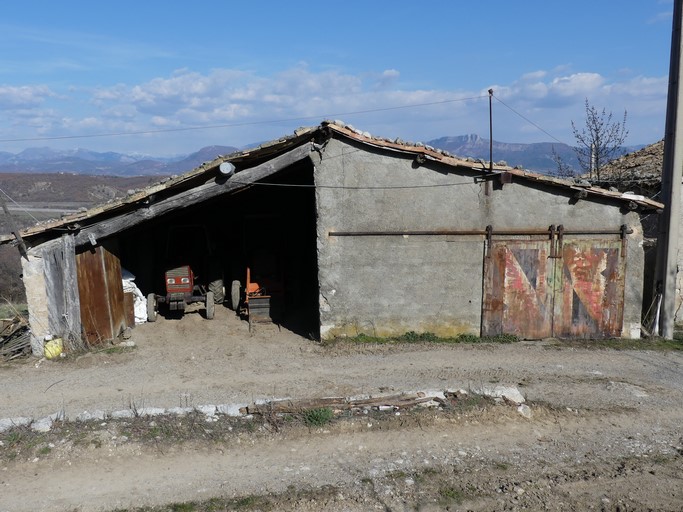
518	289
494	297
579	294
117	309
590	297
101	295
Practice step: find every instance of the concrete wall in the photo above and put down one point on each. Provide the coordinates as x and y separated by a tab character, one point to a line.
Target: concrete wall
386	285
33	270
678	317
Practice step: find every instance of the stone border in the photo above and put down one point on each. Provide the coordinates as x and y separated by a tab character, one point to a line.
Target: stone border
509	394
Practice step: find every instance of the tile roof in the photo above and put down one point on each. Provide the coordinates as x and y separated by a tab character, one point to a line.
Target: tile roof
644	165
246	158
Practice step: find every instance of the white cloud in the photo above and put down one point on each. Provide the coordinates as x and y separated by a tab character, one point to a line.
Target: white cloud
576	85
388	78
263	107
534	75
12	97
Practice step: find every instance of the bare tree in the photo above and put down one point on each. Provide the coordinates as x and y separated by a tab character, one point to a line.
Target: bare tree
564	170
599	141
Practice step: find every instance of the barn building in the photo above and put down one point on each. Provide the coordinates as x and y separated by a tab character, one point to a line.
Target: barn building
366	235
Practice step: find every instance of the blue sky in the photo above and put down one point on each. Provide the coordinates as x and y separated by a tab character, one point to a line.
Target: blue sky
243	72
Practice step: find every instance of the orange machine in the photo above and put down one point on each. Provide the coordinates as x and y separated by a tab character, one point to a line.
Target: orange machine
263	297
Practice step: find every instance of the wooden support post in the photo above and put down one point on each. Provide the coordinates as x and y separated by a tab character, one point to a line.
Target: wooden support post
72	306
15	230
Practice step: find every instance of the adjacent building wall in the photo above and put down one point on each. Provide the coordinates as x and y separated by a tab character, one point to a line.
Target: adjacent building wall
51	293
678	316
33	269
386	285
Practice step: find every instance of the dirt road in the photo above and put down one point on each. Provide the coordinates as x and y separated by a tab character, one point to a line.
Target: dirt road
604	433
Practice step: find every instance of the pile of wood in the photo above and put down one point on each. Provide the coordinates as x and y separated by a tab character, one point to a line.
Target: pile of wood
390	402
15	338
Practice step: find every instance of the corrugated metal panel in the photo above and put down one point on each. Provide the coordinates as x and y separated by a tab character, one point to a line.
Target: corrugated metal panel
101	295
518	289
590	295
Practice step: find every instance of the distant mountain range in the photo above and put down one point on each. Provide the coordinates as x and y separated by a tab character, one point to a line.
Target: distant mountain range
534	157
83	161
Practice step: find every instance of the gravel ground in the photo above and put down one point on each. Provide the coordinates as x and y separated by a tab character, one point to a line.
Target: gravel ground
604	432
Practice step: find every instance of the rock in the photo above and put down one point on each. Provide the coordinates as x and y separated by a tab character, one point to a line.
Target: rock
151	411
524	410
208	410
510	392
8	423
88	416
42	425
230	409
180	411
123	414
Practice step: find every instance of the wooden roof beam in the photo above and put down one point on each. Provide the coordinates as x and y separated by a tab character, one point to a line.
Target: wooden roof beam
213	188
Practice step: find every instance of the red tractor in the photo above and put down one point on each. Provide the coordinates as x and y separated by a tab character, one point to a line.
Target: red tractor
188	251
181	290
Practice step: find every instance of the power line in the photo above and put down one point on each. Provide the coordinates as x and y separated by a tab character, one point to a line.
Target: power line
346	187
18	205
527	119
237	125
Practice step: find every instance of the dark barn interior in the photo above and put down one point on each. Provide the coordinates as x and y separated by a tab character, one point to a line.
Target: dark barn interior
268	226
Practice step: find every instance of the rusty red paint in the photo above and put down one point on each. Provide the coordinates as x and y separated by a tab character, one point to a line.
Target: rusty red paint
589	301
577	293
517	298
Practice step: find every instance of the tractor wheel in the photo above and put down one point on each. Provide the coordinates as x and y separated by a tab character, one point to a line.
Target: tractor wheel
235	295
210	306
151	308
216	287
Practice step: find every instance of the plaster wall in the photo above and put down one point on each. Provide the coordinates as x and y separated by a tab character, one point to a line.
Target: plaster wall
386	285
678	316
33	270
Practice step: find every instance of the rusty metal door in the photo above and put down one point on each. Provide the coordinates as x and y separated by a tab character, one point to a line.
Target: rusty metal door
589	293
101	295
518	289
534	289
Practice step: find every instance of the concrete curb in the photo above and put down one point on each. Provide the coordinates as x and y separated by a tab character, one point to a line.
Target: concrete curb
233	410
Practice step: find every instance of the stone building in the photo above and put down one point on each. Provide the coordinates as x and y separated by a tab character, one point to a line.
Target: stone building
366	235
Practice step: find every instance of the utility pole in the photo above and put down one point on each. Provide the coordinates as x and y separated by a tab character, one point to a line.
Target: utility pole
668	235
490	131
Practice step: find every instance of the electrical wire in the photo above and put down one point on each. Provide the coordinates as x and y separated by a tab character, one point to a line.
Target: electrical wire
237	125
345	187
278	121
526	119
18	205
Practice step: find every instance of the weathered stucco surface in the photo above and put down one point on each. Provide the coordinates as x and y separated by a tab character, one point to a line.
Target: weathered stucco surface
678	317
36	298
393	284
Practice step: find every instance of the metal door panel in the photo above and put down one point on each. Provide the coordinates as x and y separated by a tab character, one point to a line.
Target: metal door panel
590	290
101	295
518	288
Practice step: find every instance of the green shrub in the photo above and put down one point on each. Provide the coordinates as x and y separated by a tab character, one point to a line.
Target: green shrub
318	417
413	337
